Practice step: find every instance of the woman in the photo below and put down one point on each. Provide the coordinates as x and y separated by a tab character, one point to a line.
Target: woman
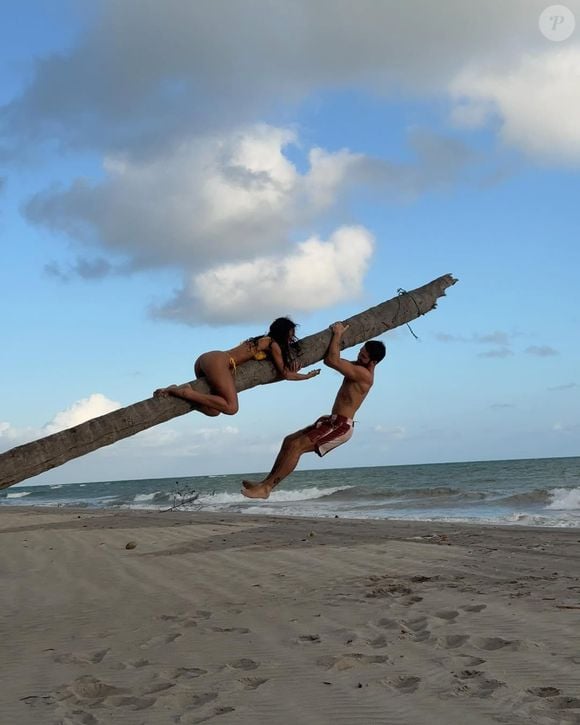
219	367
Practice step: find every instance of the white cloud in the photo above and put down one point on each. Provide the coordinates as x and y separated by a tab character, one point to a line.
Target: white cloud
315	275
227	208
82	410
192	66
95	405
536	100
216	198
393	433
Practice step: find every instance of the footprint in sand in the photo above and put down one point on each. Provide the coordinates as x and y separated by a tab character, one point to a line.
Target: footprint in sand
309	639
493	643
452	641
387	623
203	699
156	687
39	700
244	664
79	717
132	703
161	640
565	703
415	625
413	599
233	630
90	688
181	620
137	664
470	661
544	691
348	661
474	607
378	642
476	684
447	614
190	673
203	614
406	684
91	658
251	683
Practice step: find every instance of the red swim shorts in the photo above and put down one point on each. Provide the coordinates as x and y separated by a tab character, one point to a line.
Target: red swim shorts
328	432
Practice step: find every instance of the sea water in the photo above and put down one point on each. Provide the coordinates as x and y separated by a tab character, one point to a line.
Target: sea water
535	492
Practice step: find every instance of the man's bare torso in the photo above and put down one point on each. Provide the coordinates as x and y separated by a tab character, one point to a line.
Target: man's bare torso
351	395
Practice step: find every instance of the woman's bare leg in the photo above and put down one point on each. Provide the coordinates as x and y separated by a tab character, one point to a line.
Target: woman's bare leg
214	366
184	391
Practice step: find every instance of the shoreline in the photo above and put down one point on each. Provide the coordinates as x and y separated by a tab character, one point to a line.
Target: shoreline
243	618
257	518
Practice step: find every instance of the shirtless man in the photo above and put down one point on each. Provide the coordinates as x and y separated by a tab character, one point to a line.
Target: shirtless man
329	431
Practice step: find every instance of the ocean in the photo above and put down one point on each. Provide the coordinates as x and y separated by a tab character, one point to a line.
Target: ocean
534	492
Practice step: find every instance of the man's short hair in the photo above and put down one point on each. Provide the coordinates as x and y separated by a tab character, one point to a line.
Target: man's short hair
376	350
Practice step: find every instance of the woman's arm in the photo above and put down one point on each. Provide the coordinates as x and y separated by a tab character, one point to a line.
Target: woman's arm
283	371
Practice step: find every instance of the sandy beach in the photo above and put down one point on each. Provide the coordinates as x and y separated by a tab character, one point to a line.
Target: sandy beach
239	619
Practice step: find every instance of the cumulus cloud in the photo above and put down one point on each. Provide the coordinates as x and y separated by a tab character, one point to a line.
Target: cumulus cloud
314	275
190	66
216	198
80	411
227	211
226	197
535	100
93	406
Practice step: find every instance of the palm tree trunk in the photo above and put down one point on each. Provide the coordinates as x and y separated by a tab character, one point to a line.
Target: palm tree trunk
38	456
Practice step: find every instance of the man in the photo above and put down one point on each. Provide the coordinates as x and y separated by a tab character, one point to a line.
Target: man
329	431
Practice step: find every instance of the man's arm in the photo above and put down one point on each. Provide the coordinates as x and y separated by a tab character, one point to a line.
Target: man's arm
333	360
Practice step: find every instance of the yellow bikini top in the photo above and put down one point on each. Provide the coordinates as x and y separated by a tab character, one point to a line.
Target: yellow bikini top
260	355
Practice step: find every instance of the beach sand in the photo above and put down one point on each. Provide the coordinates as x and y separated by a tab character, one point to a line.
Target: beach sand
239	619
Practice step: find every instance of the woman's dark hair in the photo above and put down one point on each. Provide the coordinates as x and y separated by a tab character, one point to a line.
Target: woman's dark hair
278	331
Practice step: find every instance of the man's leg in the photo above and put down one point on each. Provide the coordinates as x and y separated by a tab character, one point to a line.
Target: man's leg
292	448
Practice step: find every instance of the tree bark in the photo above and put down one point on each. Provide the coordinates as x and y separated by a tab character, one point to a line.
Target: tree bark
38	456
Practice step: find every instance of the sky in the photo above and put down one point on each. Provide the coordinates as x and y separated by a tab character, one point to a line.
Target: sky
174	175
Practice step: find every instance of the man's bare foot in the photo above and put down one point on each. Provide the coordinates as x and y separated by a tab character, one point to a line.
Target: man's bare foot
255	490
163	392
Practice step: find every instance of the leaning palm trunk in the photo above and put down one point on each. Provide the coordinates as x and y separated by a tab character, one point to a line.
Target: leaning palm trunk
33	458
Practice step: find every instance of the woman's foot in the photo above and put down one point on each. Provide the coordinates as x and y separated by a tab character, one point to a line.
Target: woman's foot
164	392
255	490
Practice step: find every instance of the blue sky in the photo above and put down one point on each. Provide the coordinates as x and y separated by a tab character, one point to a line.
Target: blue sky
162	163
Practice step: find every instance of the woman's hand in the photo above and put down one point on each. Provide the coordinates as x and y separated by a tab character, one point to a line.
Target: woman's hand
313	373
